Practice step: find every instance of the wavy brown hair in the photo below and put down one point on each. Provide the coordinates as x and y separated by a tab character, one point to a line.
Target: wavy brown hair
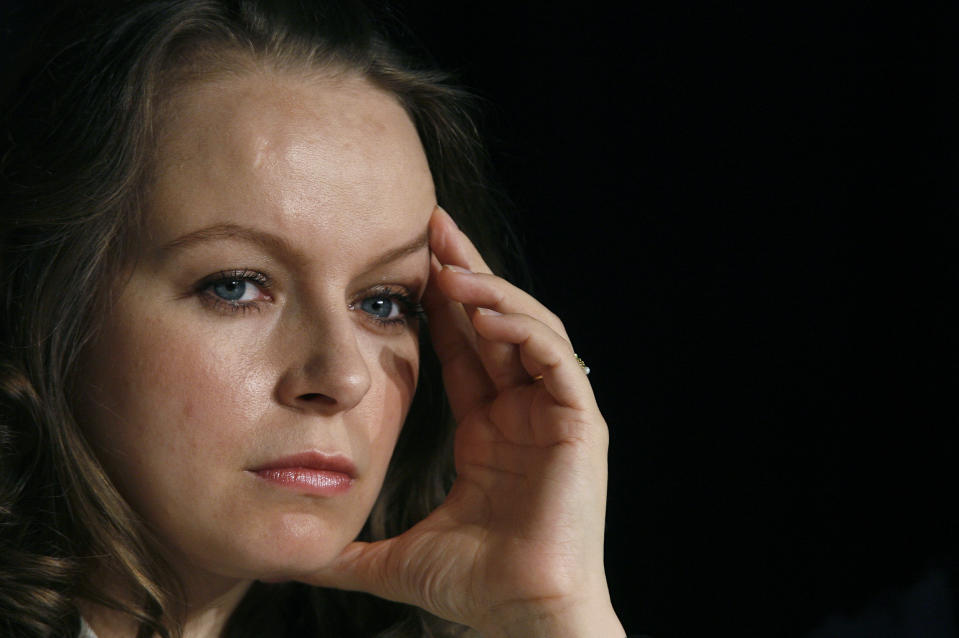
81	107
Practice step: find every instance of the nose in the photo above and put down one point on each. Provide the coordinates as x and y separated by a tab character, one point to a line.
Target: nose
327	371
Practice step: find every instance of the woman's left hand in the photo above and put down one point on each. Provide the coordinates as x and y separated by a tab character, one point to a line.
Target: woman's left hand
517	547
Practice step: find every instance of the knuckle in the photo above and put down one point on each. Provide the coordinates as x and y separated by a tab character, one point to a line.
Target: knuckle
499	295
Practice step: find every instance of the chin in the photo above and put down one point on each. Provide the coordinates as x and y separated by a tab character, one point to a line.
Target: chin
298	546
292	548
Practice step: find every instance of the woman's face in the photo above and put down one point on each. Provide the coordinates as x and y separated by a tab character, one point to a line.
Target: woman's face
250	380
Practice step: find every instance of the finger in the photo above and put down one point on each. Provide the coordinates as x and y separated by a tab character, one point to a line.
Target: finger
502	364
451	245
455	341
542	353
500	360
473	368
495	293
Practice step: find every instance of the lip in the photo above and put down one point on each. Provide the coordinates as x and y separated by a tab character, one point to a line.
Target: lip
309	472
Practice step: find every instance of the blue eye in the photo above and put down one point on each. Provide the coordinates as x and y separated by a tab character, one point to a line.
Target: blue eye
389	307
380	307
232	290
235	290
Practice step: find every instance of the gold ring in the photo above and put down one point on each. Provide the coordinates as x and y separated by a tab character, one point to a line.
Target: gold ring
582	364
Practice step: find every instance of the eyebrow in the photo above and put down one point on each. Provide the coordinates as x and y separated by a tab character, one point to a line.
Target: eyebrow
277	244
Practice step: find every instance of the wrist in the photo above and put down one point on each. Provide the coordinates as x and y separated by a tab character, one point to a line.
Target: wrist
593	619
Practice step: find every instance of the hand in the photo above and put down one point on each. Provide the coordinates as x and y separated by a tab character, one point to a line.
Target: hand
517	547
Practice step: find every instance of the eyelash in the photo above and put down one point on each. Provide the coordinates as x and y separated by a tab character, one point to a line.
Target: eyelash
411	310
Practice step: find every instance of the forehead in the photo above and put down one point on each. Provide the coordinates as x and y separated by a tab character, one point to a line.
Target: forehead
289	154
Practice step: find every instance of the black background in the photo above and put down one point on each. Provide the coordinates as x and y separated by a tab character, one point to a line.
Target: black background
745	214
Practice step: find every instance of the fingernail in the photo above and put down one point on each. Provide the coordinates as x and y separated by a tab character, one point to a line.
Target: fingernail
488	311
458	269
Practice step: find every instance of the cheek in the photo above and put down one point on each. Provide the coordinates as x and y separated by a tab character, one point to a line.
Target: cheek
399	369
214	394
164	399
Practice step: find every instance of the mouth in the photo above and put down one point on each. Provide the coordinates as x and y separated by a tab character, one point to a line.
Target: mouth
310	472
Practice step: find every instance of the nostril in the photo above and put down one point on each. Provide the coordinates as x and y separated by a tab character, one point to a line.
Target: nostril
316	397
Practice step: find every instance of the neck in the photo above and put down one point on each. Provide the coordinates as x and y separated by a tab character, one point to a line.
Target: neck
205	617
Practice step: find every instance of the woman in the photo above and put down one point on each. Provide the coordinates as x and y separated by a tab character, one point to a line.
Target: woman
222	243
